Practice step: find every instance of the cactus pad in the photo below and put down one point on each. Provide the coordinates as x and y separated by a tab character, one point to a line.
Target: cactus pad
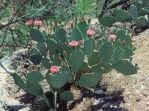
125	67
34	88
83	27
61	34
66	96
34	77
42	104
52	46
45	62
76	60
106	52
142	22
118	54
88	47
76	34
42	48
59	79
121	15
36	35
107	21
88	80
94	59
133	12
35	58
19	81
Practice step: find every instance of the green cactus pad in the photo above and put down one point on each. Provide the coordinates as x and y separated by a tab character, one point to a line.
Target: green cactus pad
84	67
34	88
76	60
45	62
106	68
94	59
19	81
42	48
67	49
133	12
142	22
34	51
54	37
88	47
139	6
121	35
127	53
36	35
76	34
35	59
52	46
66	96
49	98
121	15
56	60
34	77
145	2
42	104
58	80
143	12
125	67
88	80
107	21
118	54
83	27
61	34
106	53
102	68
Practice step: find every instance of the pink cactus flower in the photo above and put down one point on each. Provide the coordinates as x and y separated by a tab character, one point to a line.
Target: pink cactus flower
38	23
112	37
73	43
133	39
29	22
90	32
54	69
64	53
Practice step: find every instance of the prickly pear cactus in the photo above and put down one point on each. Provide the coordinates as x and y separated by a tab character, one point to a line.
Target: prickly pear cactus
77	58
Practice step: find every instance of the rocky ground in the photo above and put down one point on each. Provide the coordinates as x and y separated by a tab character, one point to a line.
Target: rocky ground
134	88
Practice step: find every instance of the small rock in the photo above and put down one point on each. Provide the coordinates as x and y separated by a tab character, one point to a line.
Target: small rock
3	92
138	99
25	109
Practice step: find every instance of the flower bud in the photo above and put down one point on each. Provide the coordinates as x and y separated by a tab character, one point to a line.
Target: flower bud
63	64
64	53
59	58
80	42
124	42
